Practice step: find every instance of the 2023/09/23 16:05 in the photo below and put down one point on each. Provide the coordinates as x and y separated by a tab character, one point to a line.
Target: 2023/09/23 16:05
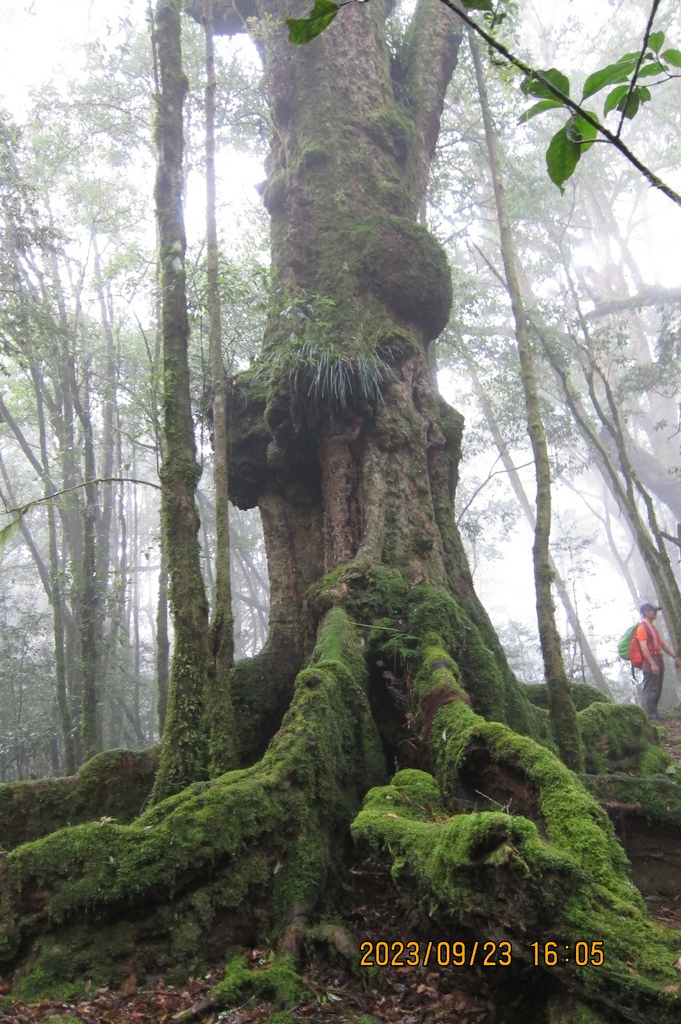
485	954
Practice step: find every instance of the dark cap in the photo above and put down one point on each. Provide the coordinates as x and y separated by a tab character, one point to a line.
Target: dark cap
650	608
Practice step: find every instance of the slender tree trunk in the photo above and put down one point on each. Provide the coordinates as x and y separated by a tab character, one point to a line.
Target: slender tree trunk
183	757
162	641
65	718
223	735
563	714
71	504
91	723
519	491
625	488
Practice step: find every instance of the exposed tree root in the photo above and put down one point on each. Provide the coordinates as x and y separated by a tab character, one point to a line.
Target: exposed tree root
209	857
552	872
532	860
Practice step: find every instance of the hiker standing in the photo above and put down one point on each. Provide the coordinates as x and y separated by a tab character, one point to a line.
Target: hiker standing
651	646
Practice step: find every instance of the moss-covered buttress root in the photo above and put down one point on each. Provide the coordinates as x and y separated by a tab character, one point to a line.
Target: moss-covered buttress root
264	837
535	861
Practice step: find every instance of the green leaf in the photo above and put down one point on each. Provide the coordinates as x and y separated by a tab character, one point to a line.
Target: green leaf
629	107
651	69
672	57
618	72
562	156
533	87
655	41
478	5
538	108
304	30
582	130
614	98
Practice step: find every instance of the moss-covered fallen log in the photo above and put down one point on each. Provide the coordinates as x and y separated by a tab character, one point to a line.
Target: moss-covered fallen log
233	857
114	784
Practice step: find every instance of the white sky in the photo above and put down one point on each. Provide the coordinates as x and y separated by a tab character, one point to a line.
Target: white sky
38	37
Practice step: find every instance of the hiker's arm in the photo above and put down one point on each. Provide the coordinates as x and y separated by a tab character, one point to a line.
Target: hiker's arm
647	656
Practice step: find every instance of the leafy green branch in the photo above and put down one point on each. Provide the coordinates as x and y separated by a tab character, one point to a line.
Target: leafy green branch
584	126
552	87
582	129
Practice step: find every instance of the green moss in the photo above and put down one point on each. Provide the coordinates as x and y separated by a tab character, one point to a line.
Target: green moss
62	967
569	1010
543	733
66	1020
619	738
434	611
500	875
290	811
278	983
437	671
582	695
518	712
393	130
113	784
414	792
258	705
368	591
408	270
571	817
314	155
659	798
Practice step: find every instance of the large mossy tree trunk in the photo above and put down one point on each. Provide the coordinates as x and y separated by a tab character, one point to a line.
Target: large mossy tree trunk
339	435
340	438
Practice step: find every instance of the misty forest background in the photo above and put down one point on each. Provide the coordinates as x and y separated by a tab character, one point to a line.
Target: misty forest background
83	577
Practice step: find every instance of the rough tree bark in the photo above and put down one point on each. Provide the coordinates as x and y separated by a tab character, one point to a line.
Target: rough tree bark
340	439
